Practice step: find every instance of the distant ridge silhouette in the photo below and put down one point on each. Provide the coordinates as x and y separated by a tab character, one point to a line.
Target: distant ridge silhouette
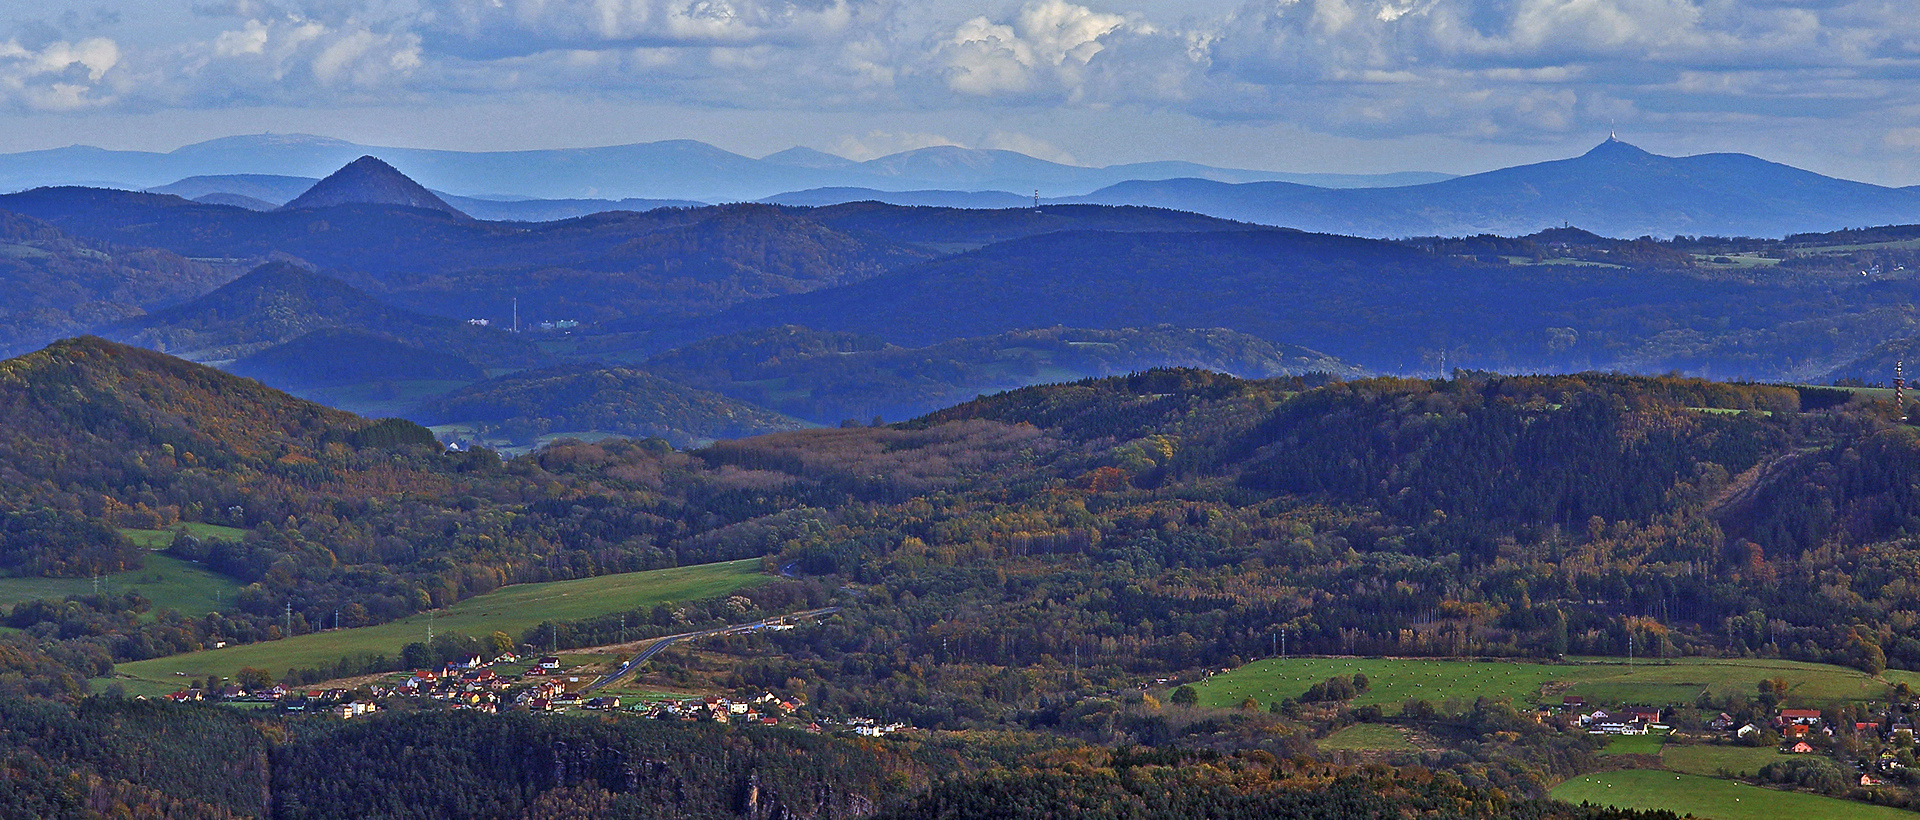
368	180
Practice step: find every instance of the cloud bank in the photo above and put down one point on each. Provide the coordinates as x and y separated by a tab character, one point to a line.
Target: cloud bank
1508	70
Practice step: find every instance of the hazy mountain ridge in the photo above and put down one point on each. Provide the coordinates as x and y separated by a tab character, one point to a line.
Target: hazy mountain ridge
1615	189
669	169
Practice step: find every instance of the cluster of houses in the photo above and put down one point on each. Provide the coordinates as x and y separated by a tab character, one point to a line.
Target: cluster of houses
475	683
1626	721
337	702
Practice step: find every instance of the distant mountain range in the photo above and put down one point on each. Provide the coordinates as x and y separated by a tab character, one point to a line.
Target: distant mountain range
1615	189
673	169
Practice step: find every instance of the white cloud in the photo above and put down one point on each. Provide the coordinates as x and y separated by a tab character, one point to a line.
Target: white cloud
495	28
1044	50
58	76
875	144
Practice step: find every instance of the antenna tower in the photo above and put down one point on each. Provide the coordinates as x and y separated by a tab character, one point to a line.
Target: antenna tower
1899	390
516	314
1036	199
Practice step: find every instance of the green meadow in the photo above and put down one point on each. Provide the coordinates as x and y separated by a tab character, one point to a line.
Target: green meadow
1707	797
1367	737
511	609
168	582
162	538
1710	760
1600	681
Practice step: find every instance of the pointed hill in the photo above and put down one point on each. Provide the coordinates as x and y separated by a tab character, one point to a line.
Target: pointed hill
585	400
1615	189
369	181
279	302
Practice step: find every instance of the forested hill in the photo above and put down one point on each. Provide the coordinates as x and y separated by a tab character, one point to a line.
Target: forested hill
96	435
1396	307
56	284
1009	570
279	302
581	399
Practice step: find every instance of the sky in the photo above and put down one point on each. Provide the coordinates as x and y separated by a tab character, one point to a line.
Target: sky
1347	86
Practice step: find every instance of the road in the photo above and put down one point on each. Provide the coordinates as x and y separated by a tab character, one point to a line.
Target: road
660	644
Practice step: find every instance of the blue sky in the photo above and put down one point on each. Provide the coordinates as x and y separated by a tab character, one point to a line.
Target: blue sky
1294	85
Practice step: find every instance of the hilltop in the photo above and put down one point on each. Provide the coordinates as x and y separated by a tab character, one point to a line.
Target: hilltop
369	181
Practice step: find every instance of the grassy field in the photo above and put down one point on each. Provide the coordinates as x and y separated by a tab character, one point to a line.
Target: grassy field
1708	797
1608	681
168	582
1709	760
1647	744
510	609
1367	737
160	539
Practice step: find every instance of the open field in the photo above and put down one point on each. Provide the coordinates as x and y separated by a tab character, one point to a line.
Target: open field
1708	797
1367	737
1709	760
510	609
1648	744
1600	681
168	582
160	539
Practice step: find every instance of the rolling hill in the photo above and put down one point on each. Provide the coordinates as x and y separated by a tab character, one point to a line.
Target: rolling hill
1408	308
831	377
582	399
280	302
56	284
334	357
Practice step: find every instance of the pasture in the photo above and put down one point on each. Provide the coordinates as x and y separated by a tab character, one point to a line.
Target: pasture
1601	681
170	583
510	609
162	538
1708	797
1710	760
1367	737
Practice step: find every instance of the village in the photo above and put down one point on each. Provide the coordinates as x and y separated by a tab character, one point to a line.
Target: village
1874	748
542	686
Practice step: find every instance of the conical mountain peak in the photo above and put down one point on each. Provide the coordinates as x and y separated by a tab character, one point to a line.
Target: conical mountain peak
368	180
1615	148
